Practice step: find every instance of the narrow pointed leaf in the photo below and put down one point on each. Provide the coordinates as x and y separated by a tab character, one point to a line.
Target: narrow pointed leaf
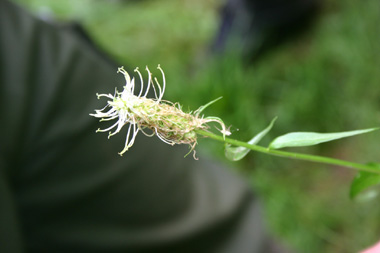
301	139
201	108
238	153
364	183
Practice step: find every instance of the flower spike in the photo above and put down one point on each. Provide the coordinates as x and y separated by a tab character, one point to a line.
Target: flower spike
162	118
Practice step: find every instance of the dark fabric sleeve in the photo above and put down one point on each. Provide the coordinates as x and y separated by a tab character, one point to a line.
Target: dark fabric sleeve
64	188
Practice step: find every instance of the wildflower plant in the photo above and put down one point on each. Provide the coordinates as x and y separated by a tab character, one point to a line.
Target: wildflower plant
167	120
152	116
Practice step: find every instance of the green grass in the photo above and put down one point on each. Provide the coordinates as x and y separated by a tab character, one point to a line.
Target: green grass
325	81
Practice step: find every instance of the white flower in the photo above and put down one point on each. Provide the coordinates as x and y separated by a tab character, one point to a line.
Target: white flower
162	118
125	106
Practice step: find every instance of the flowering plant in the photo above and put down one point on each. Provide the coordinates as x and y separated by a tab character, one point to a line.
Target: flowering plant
166	120
162	118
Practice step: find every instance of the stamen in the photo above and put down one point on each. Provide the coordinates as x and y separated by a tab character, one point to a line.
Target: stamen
146	134
104	95
132	85
163	80
149	80
107	129
164	139
141	81
108	119
125	73
160	91
135	131
155	92
126	147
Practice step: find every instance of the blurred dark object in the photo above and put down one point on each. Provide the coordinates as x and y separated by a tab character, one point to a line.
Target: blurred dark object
63	188
252	27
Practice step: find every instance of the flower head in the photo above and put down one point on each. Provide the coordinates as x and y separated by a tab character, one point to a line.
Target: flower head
152	116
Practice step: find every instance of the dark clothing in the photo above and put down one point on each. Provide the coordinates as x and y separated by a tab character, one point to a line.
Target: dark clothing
253	27
64	188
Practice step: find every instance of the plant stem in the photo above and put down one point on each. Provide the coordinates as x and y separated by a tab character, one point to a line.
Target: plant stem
292	155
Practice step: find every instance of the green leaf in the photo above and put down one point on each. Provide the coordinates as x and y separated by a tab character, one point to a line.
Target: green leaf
365	182
301	139
201	108
238	153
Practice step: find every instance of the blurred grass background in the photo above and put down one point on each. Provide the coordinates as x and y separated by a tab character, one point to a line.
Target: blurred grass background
323	81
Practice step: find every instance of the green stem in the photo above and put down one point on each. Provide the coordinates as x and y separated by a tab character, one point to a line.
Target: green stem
292	155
